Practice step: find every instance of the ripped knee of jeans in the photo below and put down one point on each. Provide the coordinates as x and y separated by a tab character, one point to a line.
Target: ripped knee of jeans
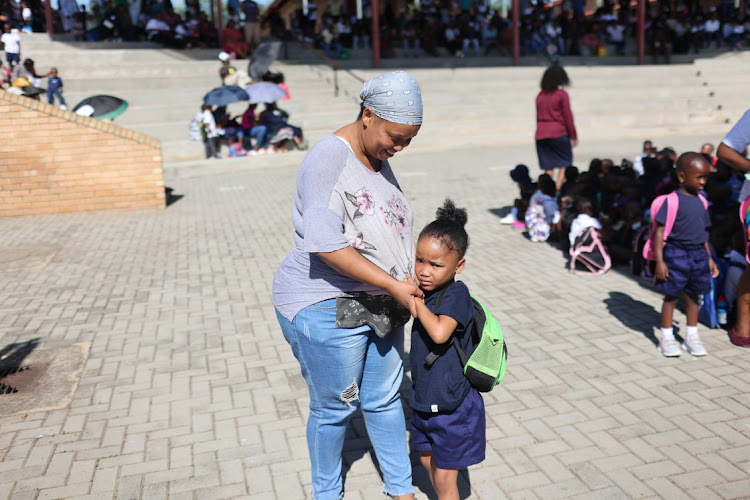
350	394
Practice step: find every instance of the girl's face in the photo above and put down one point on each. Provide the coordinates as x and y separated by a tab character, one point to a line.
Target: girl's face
436	264
382	139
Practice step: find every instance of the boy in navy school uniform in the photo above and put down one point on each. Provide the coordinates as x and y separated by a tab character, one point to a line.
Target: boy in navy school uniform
684	265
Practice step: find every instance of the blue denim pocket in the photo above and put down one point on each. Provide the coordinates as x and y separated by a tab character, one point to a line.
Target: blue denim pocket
323	305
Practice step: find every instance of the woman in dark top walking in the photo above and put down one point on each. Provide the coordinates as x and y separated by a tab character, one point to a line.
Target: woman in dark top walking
555	130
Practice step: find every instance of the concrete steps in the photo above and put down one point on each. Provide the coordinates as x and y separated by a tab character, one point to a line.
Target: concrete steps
165	89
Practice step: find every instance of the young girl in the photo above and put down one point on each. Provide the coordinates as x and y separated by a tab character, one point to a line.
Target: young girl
448	422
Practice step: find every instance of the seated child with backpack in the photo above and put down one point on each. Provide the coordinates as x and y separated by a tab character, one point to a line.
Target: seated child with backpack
520	174
448	421
543	212
586	218
679	244
588	253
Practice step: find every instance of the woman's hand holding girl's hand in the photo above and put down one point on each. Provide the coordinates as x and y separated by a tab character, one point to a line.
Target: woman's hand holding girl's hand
404	293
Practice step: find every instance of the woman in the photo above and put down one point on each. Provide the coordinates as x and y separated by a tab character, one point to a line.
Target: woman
555	130
340	295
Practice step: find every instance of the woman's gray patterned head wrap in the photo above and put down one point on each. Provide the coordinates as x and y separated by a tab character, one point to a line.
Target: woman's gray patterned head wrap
395	97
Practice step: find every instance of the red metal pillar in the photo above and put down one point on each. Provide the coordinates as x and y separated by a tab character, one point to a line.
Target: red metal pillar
48	17
375	6
641	31
516	17
219	21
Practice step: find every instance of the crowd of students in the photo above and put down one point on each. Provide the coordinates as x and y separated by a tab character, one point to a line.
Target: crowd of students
616	199
445	28
430	28
118	21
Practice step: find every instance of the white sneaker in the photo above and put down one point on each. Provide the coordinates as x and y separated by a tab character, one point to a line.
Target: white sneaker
669	347
694	346
63	107
508	219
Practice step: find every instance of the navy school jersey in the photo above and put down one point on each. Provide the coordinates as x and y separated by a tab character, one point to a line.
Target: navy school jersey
691	223
442	386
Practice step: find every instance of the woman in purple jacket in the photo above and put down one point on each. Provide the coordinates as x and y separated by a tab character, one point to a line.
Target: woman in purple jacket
555	130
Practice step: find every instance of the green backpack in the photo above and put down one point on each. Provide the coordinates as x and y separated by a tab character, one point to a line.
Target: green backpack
485	367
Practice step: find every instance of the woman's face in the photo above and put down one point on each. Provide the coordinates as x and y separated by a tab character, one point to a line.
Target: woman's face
383	139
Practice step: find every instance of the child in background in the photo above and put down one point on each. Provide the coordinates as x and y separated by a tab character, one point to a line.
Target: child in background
571	177
235	148
684	264
520	174
79	24
11	41
448	421
209	132
543	213
54	89
586	218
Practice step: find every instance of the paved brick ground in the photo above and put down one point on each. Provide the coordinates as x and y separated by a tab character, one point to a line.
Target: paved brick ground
191	392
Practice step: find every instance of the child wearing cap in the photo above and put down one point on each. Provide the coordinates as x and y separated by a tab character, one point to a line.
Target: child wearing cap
520	174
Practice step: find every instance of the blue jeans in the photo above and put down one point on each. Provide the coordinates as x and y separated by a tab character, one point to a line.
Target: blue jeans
257	132
55	93
345	368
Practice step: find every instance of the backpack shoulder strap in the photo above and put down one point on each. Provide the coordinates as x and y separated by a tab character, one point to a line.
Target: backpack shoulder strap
673	203
703	200
441	296
648	248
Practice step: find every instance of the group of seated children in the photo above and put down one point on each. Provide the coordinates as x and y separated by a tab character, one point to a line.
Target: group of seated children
617	200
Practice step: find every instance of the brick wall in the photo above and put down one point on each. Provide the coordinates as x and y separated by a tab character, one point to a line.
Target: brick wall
54	161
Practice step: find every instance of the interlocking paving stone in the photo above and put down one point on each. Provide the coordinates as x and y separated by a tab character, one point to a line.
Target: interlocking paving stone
190	391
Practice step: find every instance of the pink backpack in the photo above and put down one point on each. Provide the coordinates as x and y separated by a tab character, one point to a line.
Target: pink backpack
673	203
590	252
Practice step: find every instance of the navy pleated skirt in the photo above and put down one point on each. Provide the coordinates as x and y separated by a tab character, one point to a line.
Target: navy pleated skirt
554	153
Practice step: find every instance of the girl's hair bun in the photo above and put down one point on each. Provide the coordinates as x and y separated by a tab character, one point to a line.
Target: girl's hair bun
449	212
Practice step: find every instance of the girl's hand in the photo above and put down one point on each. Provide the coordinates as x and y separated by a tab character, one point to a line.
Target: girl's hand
574	142
661	272
404	292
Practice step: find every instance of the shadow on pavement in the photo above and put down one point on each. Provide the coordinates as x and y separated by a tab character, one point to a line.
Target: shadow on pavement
12	357
634	314
170	196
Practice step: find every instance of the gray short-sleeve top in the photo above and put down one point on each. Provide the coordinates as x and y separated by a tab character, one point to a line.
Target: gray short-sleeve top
339	202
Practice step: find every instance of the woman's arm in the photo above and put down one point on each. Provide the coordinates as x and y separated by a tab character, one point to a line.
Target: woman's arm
733	158
349	262
568	117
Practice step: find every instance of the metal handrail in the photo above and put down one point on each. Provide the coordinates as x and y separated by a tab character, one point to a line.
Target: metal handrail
336	67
